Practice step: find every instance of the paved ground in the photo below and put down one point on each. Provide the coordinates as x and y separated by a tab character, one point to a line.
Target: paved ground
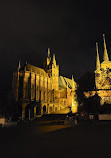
84	140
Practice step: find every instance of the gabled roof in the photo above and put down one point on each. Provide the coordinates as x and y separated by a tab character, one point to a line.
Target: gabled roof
35	69
65	82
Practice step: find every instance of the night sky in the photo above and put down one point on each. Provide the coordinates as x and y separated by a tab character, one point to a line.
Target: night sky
69	28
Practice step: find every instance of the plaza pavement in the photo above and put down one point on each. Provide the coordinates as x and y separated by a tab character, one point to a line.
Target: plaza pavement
87	140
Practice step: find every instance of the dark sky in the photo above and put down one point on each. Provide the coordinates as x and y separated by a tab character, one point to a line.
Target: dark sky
69	28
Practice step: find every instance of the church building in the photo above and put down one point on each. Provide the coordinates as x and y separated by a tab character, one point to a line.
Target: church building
102	77
39	91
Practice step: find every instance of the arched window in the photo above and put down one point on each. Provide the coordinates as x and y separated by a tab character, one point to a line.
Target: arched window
44	108
50	108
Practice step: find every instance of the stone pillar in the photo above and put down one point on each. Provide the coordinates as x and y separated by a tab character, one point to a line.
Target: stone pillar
37	86
45	89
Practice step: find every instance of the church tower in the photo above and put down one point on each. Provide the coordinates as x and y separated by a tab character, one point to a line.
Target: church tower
53	70
103	70
97	59
55	74
103	76
97	71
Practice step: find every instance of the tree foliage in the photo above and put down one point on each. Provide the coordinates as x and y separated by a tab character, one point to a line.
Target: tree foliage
87	83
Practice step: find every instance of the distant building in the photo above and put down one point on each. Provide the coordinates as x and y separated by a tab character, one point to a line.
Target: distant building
38	91
102	77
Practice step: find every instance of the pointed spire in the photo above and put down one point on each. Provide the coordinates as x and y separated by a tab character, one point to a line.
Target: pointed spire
54	61
19	64
48	57
48	52
105	57
73	83
97	59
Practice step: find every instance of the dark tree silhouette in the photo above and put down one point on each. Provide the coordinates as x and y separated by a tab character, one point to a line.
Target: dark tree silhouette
87	83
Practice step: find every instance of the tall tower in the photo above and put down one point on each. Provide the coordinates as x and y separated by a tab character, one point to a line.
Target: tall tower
55	74
97	59
97	71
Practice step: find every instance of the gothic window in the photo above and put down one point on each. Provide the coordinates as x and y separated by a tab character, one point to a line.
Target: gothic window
44	108
50	108
40	95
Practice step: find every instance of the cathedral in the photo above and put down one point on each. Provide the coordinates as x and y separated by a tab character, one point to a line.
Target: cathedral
37	91
102	77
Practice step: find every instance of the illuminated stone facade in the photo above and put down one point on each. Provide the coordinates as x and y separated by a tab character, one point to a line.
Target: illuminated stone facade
102	77
42	91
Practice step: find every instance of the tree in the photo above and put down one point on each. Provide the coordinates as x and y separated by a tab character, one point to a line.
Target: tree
87	83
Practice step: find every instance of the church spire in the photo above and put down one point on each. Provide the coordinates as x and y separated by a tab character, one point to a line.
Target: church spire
48	52
72	83
97	59
19	66
54	61
48	57
105	57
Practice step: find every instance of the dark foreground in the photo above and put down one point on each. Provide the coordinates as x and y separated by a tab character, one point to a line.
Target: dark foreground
30	141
